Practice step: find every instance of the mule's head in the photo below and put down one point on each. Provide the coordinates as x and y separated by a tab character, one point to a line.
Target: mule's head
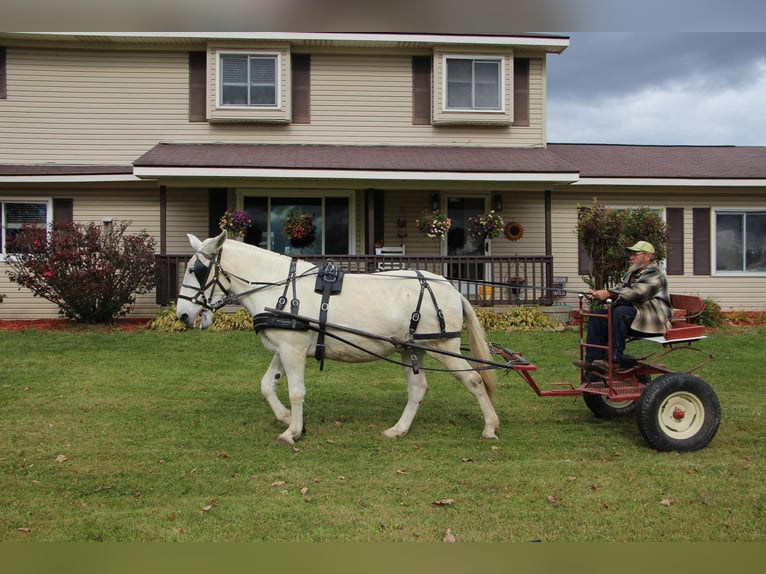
201	290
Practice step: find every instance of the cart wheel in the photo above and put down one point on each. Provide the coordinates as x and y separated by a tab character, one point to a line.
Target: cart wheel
605	408
679	412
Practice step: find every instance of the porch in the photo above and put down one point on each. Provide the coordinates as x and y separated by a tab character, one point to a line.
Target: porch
485	280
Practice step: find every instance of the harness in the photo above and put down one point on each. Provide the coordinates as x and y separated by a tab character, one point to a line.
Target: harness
201	273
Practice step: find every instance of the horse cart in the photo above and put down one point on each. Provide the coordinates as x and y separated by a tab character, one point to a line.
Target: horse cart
302	310
675	409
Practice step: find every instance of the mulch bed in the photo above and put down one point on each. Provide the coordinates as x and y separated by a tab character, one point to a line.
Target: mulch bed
63	324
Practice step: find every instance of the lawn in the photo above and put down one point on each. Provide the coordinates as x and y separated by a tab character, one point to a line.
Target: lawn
143	436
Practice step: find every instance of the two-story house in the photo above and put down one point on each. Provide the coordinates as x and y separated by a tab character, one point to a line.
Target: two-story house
365	132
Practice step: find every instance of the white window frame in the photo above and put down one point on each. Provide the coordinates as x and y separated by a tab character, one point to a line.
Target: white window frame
741	211
276	56
5	200
501	82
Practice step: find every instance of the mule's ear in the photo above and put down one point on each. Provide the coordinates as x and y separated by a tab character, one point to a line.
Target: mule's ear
195	242
218	241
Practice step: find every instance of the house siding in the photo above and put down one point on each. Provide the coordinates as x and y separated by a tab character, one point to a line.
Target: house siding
109	107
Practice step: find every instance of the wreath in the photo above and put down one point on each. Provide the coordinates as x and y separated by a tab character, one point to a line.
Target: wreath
514	231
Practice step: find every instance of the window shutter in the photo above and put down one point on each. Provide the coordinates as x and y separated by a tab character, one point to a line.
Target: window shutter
301	90
521	91
63	210
217	203
421	90
3	86
675	257
701	235
197	80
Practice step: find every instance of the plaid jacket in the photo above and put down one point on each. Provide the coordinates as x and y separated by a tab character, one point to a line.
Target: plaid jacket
647	290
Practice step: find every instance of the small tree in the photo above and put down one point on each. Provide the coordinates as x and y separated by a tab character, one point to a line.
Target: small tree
91	273
607	233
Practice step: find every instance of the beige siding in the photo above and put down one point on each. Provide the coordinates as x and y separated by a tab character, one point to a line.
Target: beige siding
109	107
747	291
186	213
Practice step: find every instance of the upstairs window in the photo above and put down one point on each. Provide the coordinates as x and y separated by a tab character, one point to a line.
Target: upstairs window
473	83
249	80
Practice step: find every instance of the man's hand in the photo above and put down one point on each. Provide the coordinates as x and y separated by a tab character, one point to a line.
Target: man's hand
599	295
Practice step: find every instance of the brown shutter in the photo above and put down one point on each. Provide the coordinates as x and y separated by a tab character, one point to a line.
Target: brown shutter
521	91
217	203
3	85
701	235
675	256
63	210
301	91
421	90
197	81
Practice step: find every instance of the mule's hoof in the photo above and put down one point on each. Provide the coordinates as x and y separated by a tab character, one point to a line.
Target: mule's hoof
391	433
489	435
285	439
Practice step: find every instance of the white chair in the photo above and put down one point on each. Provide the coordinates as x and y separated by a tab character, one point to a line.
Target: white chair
392	252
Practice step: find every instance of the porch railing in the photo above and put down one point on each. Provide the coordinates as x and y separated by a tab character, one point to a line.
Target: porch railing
484	280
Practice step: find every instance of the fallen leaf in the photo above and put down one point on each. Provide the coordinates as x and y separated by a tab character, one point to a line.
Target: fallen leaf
552	499
304	490
400	471
448	536
24	529
207	508
62	458
443	502
571	478
171	517
467	460
667	501
595	487
315	479
341	477
278	483
330	441
494	447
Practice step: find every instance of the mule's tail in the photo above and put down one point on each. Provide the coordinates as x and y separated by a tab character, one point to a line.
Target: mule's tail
479	346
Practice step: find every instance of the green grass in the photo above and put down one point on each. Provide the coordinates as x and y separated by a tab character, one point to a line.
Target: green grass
167	438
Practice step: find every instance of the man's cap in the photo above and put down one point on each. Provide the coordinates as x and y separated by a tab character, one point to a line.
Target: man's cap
644	246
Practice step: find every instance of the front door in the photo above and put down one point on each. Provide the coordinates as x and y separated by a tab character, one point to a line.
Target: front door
461	243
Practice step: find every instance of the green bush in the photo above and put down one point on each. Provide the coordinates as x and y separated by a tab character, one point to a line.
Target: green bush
711	316
519	318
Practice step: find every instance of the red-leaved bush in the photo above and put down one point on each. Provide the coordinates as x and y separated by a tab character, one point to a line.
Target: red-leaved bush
93	274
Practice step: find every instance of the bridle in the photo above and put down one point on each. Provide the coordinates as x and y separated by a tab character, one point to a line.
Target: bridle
207	280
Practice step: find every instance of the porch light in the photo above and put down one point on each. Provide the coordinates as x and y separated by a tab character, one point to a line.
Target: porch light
436	201
497	202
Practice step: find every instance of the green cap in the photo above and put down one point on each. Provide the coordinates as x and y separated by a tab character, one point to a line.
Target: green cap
644	246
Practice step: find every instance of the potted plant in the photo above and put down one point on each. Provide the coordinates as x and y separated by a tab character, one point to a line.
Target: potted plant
485	226
299	228
433	224
235	223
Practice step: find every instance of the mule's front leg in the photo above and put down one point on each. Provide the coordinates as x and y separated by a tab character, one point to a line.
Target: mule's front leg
295	368
416	391
269	389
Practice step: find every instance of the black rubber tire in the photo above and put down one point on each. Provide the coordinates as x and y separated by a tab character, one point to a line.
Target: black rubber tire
606	408
692	427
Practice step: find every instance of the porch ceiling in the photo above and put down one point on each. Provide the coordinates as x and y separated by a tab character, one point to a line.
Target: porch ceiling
354	162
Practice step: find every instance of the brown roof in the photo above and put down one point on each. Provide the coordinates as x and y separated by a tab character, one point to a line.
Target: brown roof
348	157
55	169
645	161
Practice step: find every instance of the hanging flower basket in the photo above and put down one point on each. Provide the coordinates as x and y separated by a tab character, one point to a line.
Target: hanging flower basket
433	224
485	226
235	223
514	231
299	228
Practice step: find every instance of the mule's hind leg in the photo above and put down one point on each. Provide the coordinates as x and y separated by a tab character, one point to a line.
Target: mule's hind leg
273	375
416	390
473	382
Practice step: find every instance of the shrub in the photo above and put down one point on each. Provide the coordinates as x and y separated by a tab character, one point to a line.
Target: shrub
518	318
165	320
711	316
91	273
606	233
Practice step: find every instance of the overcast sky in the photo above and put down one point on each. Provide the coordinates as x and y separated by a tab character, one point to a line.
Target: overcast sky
688	88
